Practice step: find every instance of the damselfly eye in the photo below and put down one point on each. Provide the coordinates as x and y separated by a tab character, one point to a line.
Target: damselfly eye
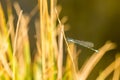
86	44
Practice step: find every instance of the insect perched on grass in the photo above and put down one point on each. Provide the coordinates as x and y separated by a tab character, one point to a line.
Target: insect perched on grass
86	44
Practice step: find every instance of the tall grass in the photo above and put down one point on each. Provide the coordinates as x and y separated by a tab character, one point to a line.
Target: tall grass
16	62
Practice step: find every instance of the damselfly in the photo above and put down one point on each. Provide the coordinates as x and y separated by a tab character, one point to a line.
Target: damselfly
86	44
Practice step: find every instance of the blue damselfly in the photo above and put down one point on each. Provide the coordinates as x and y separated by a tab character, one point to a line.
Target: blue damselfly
86	44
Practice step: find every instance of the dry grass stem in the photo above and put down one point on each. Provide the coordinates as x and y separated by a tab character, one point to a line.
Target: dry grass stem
109	69
85	70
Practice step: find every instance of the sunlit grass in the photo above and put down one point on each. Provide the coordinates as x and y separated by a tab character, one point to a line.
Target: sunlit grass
16	62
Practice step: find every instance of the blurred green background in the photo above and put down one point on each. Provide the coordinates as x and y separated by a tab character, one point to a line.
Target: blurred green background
96	21
93	20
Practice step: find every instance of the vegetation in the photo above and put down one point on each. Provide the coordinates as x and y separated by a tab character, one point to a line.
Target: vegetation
16	62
